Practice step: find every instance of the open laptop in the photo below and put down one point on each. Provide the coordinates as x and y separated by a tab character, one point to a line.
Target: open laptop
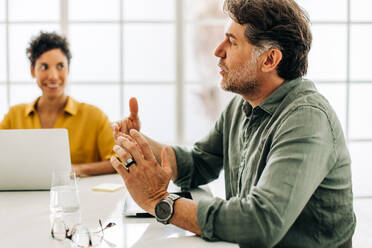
29	156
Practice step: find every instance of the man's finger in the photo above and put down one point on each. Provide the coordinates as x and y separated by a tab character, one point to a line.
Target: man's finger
144	145
130	124
132	140
119	167
133	108
115	129
132	148
114	126
124	126
120	131
122	154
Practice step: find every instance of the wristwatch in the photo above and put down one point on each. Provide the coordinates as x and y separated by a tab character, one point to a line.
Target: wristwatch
164	208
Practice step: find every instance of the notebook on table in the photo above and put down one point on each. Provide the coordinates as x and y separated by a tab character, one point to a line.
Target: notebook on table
29	156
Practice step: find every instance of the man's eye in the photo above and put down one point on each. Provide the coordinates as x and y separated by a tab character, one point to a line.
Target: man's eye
231	42
44	67
60	66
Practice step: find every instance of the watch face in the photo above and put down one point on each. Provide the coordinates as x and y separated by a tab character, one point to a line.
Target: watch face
162	210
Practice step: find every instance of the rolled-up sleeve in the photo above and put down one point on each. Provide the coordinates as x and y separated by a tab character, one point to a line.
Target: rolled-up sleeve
301	155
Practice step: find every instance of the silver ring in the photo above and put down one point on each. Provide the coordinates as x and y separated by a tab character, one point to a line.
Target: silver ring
129	162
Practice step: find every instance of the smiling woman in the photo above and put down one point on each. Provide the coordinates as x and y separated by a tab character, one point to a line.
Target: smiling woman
51	72
90	135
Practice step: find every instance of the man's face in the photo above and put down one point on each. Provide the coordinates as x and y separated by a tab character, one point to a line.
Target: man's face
238	62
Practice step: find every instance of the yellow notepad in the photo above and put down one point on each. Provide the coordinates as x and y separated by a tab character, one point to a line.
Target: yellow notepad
108	187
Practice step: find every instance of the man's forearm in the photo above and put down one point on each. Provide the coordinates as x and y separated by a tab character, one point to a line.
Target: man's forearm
156	148
185	215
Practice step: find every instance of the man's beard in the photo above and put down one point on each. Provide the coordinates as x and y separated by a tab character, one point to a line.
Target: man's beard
241	80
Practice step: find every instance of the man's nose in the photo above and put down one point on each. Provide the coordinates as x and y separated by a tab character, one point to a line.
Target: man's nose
220	50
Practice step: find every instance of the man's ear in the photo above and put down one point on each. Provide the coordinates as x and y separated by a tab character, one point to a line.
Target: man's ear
272	59
32	71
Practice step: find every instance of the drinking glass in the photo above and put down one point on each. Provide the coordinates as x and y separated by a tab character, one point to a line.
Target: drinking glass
64	194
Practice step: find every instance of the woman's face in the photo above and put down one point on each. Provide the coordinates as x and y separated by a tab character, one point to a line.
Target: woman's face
51	70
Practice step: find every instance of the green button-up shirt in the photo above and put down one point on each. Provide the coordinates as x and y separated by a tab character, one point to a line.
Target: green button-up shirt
287	172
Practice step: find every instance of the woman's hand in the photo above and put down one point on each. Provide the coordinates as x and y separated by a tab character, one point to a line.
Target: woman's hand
76	168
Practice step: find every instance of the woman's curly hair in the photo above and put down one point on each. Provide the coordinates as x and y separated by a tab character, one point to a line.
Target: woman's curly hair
44	42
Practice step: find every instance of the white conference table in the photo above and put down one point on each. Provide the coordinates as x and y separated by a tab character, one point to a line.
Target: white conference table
25	220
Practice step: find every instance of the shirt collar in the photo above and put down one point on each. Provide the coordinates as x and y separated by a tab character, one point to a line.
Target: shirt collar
31	107
247	108
70	108
270	103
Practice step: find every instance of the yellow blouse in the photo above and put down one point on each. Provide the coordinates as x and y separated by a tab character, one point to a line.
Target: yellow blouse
89	131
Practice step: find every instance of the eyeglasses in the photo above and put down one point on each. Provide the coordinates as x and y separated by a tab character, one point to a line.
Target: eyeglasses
80	235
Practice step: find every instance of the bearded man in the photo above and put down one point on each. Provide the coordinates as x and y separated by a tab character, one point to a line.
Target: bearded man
279	142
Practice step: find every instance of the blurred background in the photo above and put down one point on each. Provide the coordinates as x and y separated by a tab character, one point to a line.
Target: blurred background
161	51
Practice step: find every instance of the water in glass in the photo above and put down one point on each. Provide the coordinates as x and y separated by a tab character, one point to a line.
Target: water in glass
64	198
